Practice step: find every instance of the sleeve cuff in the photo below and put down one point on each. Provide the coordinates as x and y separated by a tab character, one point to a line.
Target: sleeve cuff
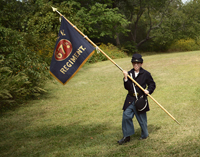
125	80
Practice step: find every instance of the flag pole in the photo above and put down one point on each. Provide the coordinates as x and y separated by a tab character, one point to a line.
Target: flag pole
55	9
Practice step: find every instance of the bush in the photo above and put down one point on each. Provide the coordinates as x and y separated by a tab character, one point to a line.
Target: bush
12	86
24	78
22	71
112	51
42	46
185	45
129	47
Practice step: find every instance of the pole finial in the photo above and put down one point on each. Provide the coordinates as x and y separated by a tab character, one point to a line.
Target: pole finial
54	9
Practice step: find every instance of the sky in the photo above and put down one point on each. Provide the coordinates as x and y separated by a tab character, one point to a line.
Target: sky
184	1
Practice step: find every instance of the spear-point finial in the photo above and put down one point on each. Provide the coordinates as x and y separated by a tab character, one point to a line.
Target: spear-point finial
54	9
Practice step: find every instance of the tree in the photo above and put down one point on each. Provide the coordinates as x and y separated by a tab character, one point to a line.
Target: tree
102	21
13	13
191	23
181	22
22	71
145	16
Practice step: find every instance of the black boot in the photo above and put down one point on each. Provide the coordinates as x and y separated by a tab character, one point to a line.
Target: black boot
142	138
124	140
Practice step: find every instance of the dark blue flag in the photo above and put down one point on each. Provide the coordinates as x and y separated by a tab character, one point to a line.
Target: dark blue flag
72	50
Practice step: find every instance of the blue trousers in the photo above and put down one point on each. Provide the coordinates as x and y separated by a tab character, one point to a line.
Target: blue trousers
127	122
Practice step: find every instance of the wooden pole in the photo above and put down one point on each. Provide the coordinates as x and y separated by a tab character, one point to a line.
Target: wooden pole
55	9
154	100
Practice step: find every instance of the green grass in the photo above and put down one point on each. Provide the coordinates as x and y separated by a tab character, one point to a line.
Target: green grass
83	118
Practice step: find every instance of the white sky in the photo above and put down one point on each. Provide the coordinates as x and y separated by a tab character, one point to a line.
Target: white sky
185	1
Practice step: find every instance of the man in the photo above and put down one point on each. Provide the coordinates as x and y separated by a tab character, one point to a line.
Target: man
146	81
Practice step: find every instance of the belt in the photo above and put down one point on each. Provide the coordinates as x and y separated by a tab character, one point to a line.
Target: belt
132	94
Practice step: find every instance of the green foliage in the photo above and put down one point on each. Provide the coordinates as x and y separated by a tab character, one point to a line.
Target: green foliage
179	23
129	47
144	17
10	85
185	45
9	40
102	21
12	13
112	51
23	79
4	72
22	71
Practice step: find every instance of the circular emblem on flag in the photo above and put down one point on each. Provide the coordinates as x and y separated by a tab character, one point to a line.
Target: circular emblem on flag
63	50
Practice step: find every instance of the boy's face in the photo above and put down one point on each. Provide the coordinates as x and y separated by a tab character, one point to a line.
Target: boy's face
137	66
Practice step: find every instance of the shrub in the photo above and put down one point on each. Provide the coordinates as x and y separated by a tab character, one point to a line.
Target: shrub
22	80
112	51
43	46
22	71
11	86
185	45
129	47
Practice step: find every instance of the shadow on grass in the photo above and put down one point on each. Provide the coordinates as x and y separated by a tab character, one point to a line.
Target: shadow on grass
153	128
45	140
15	104
20	102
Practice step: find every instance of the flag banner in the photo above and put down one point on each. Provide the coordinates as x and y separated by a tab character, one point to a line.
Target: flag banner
71	51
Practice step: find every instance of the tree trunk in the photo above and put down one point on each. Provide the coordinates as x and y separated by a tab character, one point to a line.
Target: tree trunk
117	39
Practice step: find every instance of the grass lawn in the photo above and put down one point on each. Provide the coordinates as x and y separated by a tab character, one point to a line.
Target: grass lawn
83	118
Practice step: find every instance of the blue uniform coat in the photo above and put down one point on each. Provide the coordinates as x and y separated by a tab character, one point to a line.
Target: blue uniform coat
145	80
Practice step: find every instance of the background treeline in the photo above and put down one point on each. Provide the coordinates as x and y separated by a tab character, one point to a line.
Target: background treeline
29	28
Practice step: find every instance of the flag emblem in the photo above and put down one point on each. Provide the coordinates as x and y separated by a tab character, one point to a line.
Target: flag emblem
63	50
